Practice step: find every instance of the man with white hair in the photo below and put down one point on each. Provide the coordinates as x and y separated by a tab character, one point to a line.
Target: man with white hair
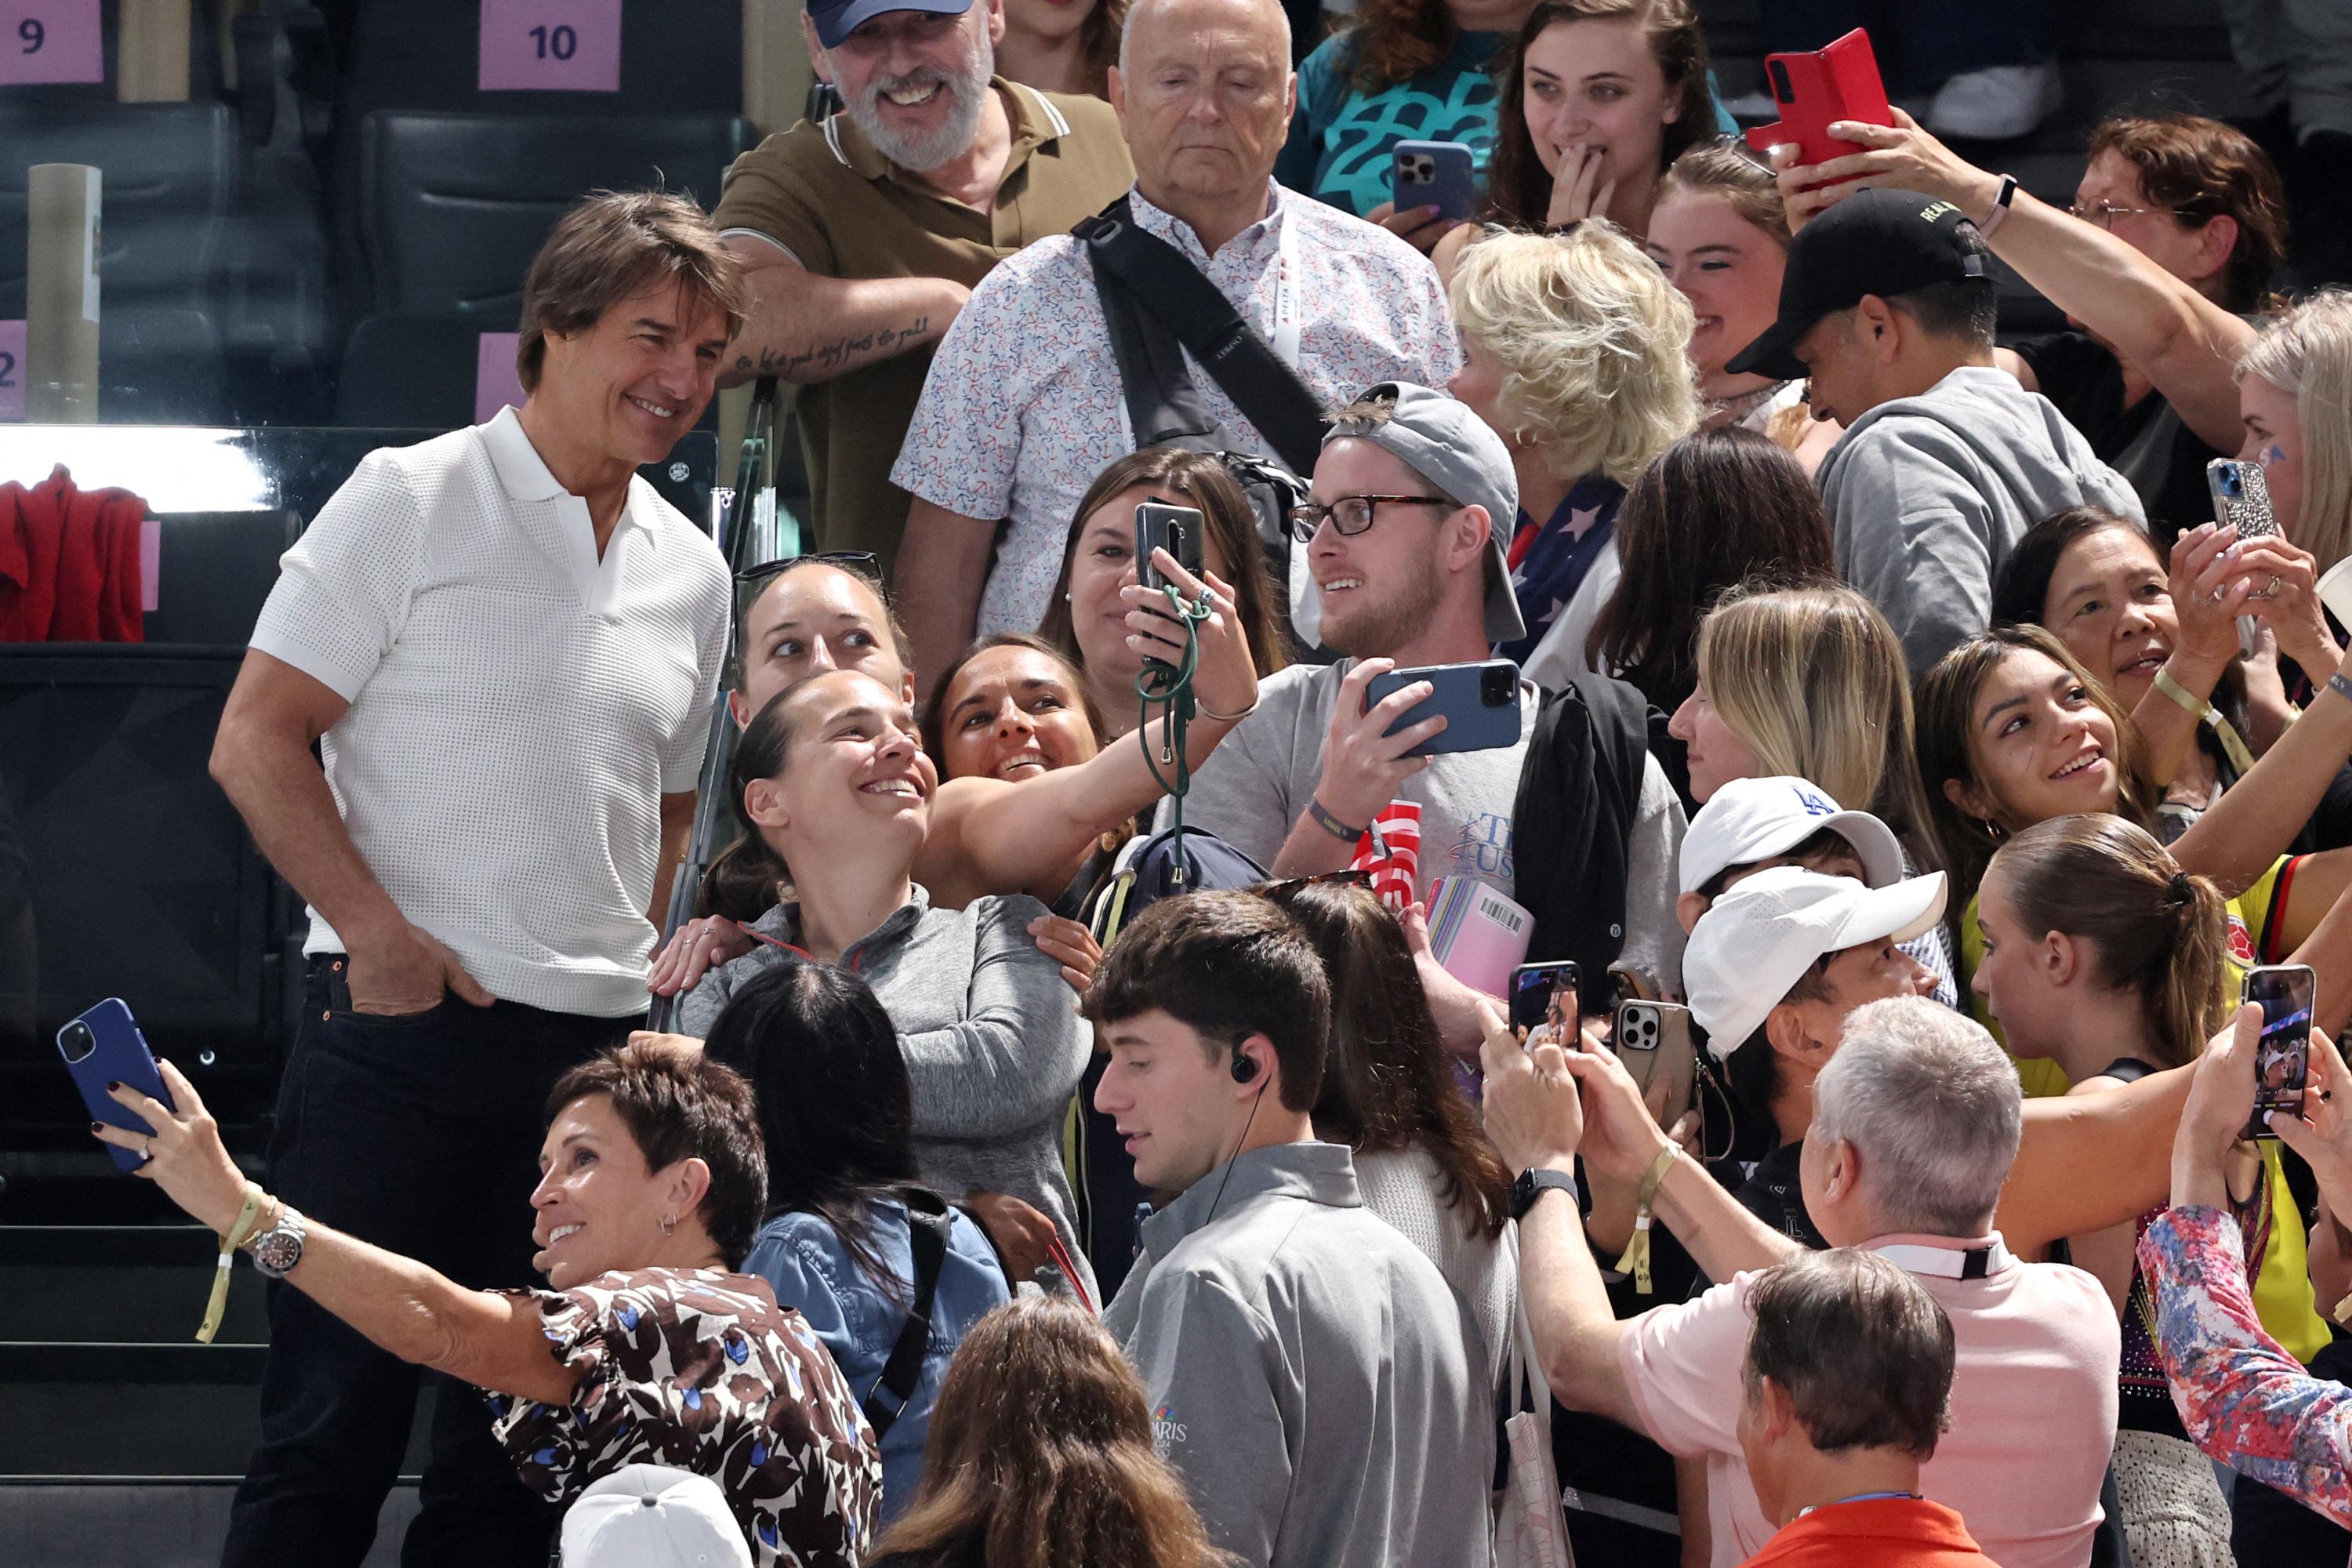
1024	407
862	236
1916	1122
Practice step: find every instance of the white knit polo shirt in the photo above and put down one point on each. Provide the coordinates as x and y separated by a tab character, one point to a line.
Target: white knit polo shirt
517	706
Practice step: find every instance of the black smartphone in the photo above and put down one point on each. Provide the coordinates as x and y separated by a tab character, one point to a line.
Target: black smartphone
1480	701
1175	529
2284	992
1545	993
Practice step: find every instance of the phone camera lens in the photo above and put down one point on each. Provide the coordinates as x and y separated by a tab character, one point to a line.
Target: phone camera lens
78	1042
1780	87
1499	687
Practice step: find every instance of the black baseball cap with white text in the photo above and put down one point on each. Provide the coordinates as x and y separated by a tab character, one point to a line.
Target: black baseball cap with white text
1882	242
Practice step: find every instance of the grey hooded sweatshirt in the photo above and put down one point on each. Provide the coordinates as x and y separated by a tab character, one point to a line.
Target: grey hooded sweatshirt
993	1042
1308	1371
1927	495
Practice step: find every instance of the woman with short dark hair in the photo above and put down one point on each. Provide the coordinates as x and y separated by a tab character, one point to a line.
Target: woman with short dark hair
650	1347
844	1204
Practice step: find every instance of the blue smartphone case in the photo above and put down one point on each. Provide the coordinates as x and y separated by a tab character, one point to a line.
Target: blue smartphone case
1472	724
1433	173
116	1053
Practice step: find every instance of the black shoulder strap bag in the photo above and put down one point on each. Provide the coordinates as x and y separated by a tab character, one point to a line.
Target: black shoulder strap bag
927	1233
1158	304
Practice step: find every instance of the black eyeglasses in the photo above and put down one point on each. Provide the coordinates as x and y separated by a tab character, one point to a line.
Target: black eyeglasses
1350	515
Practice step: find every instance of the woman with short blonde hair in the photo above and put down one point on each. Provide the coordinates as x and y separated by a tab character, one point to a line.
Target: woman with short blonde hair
1574	351
2295	390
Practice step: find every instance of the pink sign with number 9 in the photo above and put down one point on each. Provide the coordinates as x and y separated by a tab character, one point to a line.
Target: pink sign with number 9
562	46
49	40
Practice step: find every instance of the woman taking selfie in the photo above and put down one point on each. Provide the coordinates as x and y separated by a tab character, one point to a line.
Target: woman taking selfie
1087	619
1029	831
648	1346
836	1115
2102	955
834	798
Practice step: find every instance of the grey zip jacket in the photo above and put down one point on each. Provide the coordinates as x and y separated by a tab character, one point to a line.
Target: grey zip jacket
991	1031
1308	1371
1927	495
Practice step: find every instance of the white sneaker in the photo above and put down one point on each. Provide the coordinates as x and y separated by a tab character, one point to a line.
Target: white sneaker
1996	103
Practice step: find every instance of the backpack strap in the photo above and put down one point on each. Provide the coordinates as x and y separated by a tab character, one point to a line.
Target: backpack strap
1166	290
927	1235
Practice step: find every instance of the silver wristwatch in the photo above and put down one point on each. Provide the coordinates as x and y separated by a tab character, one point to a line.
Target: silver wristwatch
277	1250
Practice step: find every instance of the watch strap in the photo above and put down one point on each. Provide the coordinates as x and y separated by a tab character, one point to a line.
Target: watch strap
1330	823
1533	1182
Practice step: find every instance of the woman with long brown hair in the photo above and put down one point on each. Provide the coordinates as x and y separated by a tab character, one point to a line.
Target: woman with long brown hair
2101	954
1086	620
1595	99
1061	46
1389	1094
1041	1457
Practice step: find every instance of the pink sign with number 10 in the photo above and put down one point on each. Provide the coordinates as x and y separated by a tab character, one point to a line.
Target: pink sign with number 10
49	40
563	45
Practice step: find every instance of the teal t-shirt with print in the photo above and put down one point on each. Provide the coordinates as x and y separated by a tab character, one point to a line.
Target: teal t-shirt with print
1341	137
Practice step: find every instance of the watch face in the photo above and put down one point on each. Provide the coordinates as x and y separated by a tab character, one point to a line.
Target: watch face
278	1252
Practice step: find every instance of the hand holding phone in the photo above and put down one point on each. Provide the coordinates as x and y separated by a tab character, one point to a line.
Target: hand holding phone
102	1047
1815	88
2242	497
1480	704
1654	1039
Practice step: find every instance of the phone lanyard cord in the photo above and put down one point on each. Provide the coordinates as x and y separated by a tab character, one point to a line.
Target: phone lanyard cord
1169	688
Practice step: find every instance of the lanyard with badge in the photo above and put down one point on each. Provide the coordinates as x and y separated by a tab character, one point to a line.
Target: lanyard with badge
1284	340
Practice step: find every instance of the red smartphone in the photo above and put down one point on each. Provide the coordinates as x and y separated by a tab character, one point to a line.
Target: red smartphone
1814	89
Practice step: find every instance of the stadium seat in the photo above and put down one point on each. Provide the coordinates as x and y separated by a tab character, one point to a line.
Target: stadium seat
453	206
411	372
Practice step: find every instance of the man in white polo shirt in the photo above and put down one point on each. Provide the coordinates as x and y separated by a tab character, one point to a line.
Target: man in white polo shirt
1916	1121
506	646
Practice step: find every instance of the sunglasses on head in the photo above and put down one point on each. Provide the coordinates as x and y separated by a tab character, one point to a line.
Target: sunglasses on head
1352	877
862	564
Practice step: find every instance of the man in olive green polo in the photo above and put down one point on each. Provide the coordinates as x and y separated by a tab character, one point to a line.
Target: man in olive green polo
862	237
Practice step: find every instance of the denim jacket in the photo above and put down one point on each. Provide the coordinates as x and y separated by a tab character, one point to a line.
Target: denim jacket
806	1263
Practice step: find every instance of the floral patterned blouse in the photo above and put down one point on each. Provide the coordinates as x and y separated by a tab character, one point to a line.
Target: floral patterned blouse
2244	1399
701	1369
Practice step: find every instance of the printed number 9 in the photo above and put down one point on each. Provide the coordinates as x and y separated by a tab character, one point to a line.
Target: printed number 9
33	33
560	41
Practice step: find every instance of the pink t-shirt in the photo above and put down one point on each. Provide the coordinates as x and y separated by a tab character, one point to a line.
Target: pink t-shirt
2033	1406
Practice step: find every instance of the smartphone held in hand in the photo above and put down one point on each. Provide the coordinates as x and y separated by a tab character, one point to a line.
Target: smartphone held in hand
1654	1039
1440	174
1814	89
102	1047
1543	1001
1480	702
2286	992
1159	525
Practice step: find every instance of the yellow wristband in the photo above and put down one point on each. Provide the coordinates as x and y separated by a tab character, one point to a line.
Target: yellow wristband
1636	1260
2182	698
233	1237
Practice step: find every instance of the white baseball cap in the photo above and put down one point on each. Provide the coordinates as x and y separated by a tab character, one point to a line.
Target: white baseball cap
1756	942
651	1516
1754	819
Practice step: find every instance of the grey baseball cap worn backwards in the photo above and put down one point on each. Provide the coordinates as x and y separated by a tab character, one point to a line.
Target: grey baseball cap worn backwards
1878	242
1440	438
836	19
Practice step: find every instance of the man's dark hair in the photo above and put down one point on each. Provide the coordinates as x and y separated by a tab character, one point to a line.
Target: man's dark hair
1226	966
1861	1349
612	246
1966	308
680	1105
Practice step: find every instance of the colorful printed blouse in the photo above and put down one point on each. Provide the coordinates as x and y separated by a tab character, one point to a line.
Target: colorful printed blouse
701	1369
2244	1399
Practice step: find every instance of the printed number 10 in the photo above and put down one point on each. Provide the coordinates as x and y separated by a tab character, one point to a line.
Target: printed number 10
34	34
560	41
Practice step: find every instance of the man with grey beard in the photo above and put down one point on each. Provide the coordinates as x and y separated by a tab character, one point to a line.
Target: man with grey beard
861	238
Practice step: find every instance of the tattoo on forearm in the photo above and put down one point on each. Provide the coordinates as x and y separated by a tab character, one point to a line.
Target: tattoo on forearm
831	354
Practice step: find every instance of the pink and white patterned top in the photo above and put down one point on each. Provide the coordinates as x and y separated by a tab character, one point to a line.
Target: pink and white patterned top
1022	407
2244	1400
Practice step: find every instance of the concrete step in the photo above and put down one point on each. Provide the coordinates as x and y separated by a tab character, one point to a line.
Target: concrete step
94	1410
128	1283
156	1524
